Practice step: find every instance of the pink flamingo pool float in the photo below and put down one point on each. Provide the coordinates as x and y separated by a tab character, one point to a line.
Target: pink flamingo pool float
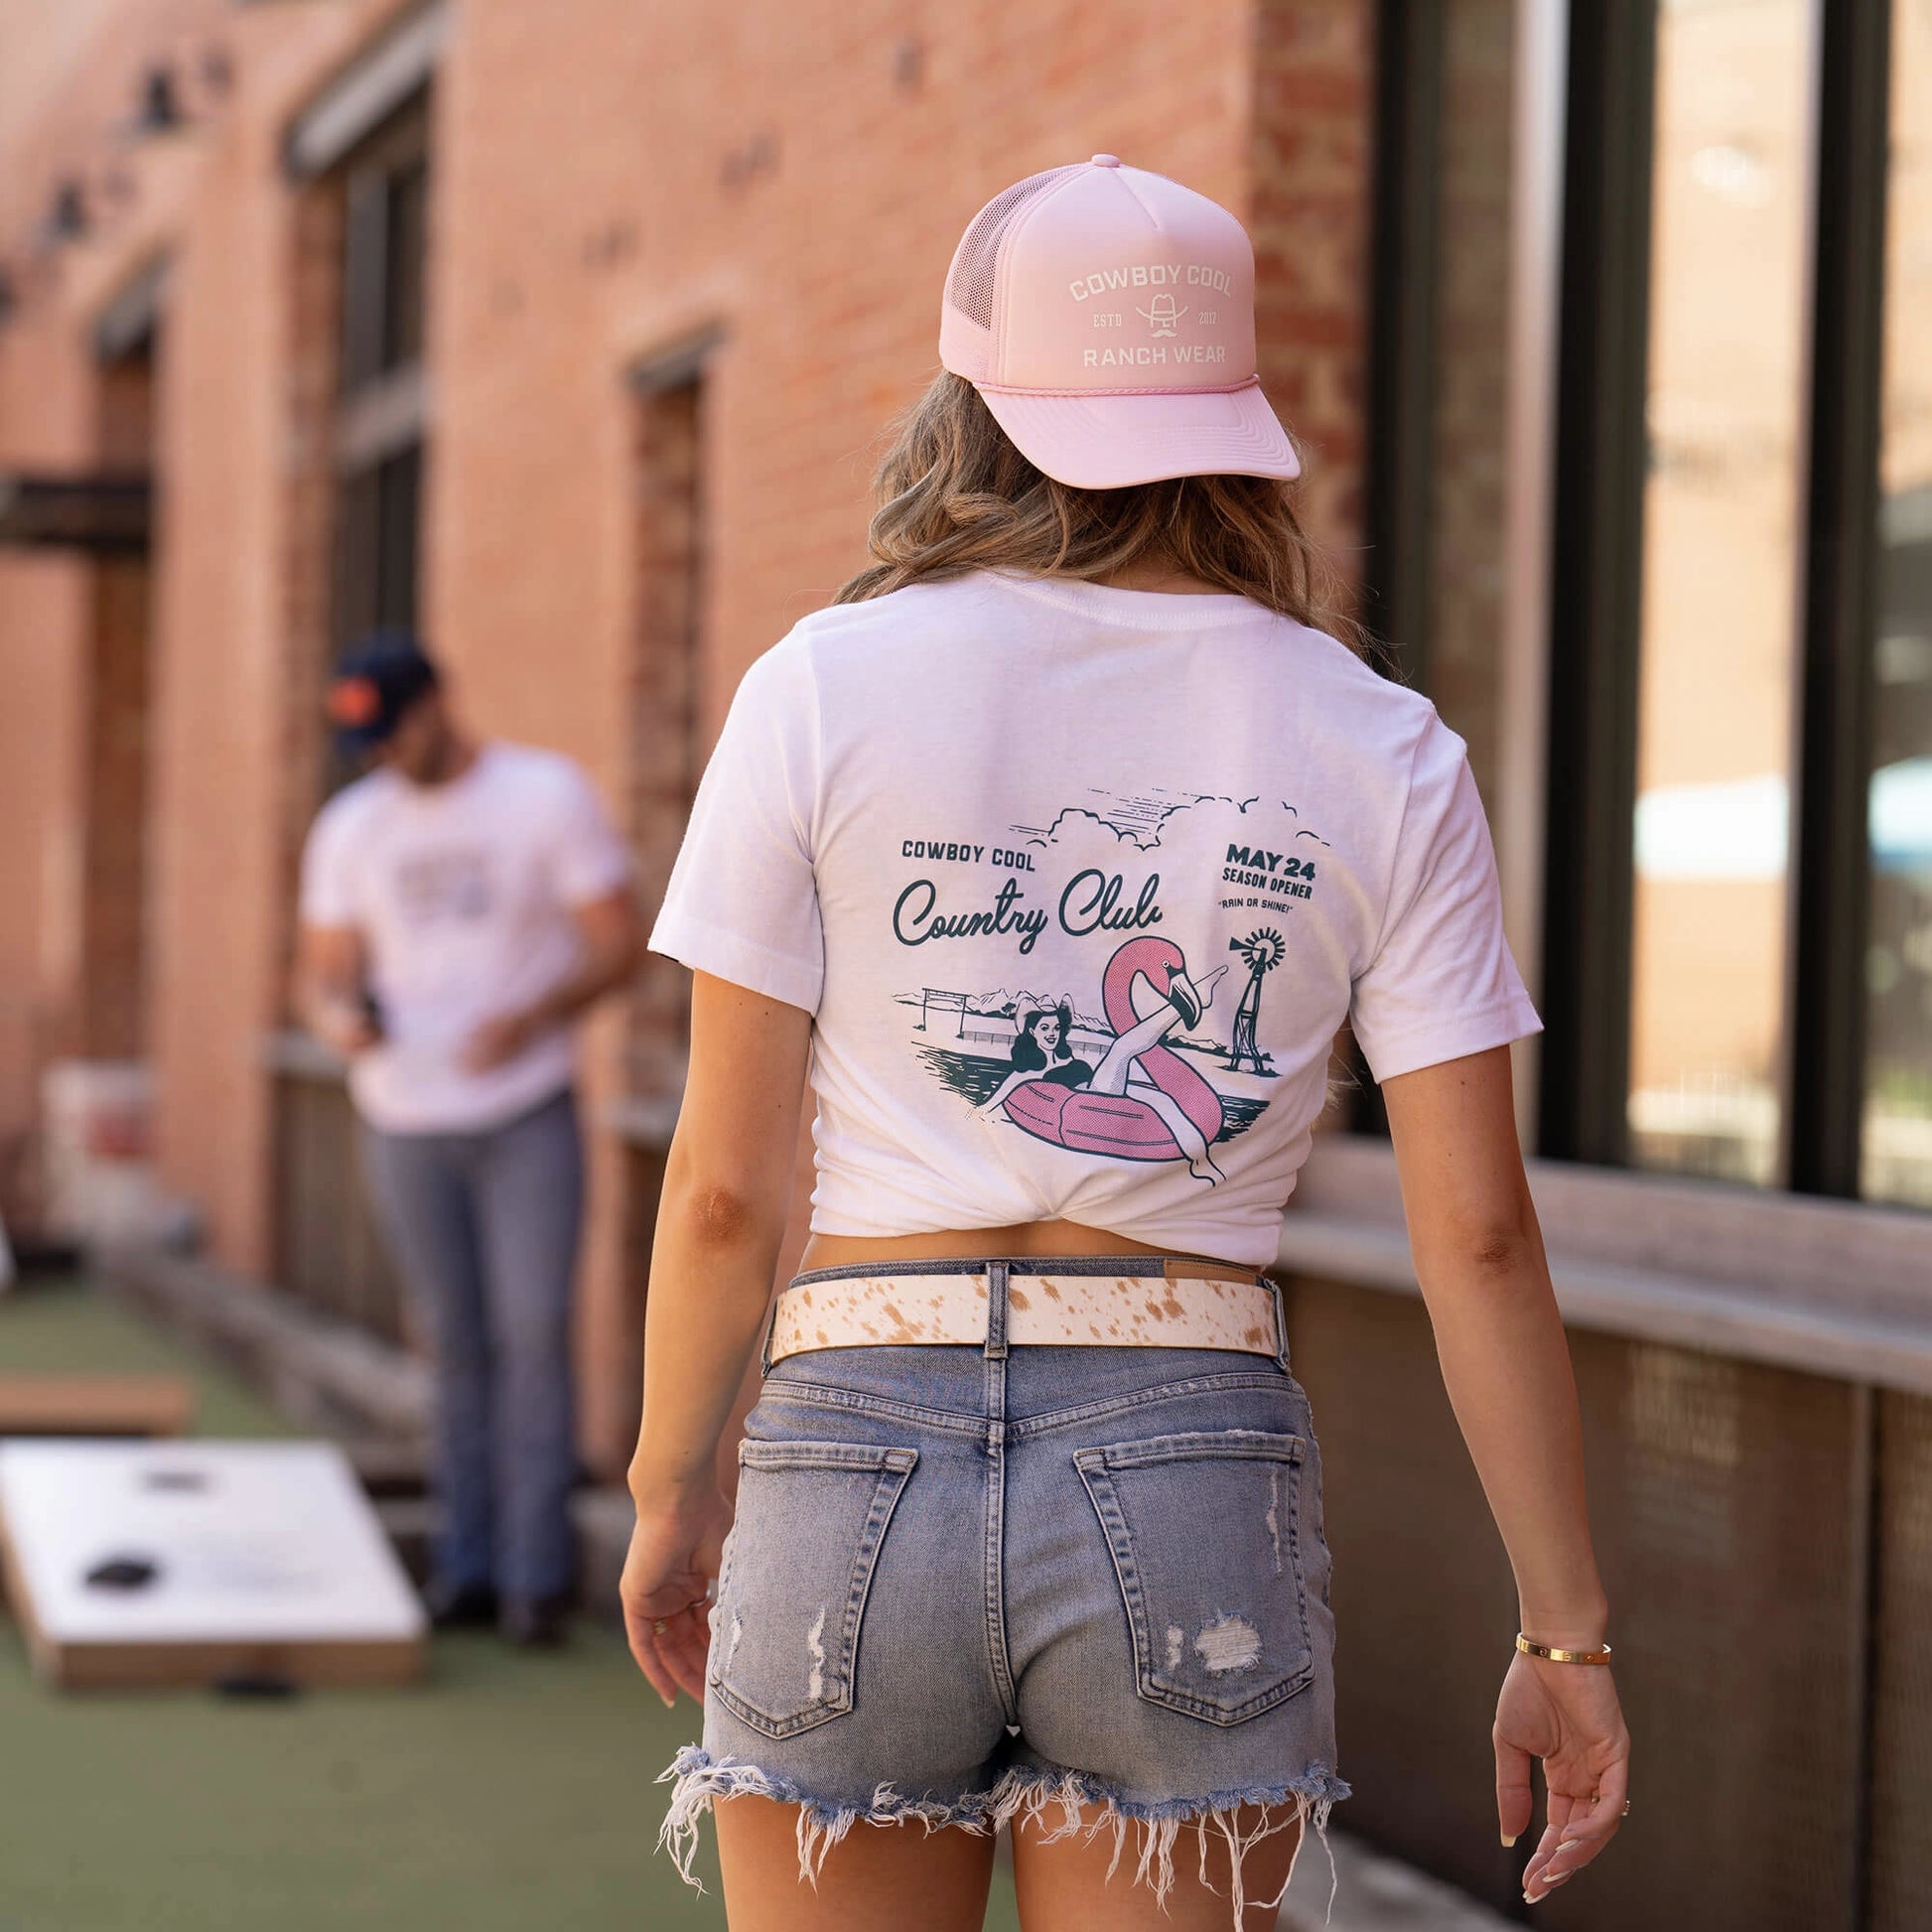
1118	1124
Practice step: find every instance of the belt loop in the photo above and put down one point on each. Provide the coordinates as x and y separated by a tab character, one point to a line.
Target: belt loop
1280	1323
770	1329
996	1310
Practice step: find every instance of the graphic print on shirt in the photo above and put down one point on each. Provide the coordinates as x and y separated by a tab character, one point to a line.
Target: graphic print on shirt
1125	1084
442	884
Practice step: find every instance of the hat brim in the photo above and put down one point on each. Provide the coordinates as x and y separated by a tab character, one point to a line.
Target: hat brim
1107	442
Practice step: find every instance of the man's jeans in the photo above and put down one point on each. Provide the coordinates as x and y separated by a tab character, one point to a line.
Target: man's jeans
484	1228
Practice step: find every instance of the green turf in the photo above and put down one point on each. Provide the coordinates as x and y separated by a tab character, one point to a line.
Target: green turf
61	1326
508	1793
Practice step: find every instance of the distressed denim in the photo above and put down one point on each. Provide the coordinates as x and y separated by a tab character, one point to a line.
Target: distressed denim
969	1584
484	1227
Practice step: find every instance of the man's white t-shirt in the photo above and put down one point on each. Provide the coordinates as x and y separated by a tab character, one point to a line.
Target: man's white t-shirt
463	894
1079	885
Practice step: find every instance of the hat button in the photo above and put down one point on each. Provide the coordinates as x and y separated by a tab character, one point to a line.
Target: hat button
1105	161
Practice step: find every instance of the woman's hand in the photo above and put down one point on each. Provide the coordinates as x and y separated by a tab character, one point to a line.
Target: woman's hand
1567	1716
674	1555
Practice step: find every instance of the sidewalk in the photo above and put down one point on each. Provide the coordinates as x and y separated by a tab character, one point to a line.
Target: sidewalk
1374	1893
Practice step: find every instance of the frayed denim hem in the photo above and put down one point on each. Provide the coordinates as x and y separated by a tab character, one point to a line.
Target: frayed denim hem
1023	1796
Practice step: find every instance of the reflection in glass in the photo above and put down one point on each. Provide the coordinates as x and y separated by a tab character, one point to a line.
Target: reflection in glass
1722	532
1896	1163
1462	663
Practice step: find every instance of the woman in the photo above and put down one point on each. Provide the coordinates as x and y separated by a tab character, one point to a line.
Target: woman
1029	1522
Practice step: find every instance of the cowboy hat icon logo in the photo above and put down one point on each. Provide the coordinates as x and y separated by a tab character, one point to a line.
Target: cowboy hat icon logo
1163	319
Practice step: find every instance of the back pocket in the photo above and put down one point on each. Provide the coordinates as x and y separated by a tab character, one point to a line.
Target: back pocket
811	1520
1204	1534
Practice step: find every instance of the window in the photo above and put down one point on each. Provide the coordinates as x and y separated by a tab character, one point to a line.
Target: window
1720	542
669	424
668	398
1739	905
380	410
377	540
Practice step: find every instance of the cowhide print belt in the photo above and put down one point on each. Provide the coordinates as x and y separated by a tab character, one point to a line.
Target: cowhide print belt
1089	1302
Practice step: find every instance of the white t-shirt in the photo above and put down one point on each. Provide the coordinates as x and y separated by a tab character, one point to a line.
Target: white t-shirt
1079	885
463	894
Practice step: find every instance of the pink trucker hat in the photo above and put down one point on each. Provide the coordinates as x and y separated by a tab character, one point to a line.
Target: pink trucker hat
1108	318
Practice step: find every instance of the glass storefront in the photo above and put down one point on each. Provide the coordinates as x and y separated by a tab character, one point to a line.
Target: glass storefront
1723	531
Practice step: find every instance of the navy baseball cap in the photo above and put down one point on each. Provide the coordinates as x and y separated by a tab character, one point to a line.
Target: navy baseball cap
373	684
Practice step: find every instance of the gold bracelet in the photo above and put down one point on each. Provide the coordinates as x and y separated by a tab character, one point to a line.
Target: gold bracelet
1601	1655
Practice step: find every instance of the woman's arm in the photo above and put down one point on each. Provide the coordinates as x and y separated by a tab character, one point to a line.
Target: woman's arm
720	1222
1478	1254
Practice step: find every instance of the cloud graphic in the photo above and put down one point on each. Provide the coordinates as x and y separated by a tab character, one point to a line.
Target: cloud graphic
1147	822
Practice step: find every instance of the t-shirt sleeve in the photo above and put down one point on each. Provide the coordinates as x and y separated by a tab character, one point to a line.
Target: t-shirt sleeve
326	897
743	901
589	861
1442	982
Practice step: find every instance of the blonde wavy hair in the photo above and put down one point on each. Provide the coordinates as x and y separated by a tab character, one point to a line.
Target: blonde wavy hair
955	495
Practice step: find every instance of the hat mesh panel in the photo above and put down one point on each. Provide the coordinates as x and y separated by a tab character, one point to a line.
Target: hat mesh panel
970	290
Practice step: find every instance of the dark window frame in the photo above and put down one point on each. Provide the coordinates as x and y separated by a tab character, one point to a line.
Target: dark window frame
1596	552
1840	606
1399	473
1404	221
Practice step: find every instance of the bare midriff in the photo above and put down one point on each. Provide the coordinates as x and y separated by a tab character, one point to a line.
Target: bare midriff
1024	1240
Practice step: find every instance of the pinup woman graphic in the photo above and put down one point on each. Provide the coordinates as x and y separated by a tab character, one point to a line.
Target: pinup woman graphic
1043	1050
1026	1529
1171	1113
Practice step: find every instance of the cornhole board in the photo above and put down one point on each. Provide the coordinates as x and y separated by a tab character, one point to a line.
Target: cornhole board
95	1405
268	1564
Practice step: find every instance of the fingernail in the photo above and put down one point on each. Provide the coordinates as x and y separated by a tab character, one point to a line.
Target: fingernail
1509	1839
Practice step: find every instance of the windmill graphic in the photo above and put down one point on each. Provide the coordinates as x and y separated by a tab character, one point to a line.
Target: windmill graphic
1263	951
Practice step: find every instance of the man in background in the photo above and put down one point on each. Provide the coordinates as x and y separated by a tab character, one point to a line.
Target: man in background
462	905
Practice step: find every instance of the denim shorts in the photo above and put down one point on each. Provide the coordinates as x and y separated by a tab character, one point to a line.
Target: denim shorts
971	1584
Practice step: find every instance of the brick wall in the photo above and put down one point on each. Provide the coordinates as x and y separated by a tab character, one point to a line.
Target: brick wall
1310	154
608	183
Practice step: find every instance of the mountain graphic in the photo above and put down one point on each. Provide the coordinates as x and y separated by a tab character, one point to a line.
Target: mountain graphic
1003	1005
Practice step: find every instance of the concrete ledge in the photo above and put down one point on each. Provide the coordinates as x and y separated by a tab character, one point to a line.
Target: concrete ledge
331	1377
1827	1288
604	1517
646	1123
320	1372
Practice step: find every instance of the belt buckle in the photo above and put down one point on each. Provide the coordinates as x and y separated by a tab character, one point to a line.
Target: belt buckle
1280	1323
